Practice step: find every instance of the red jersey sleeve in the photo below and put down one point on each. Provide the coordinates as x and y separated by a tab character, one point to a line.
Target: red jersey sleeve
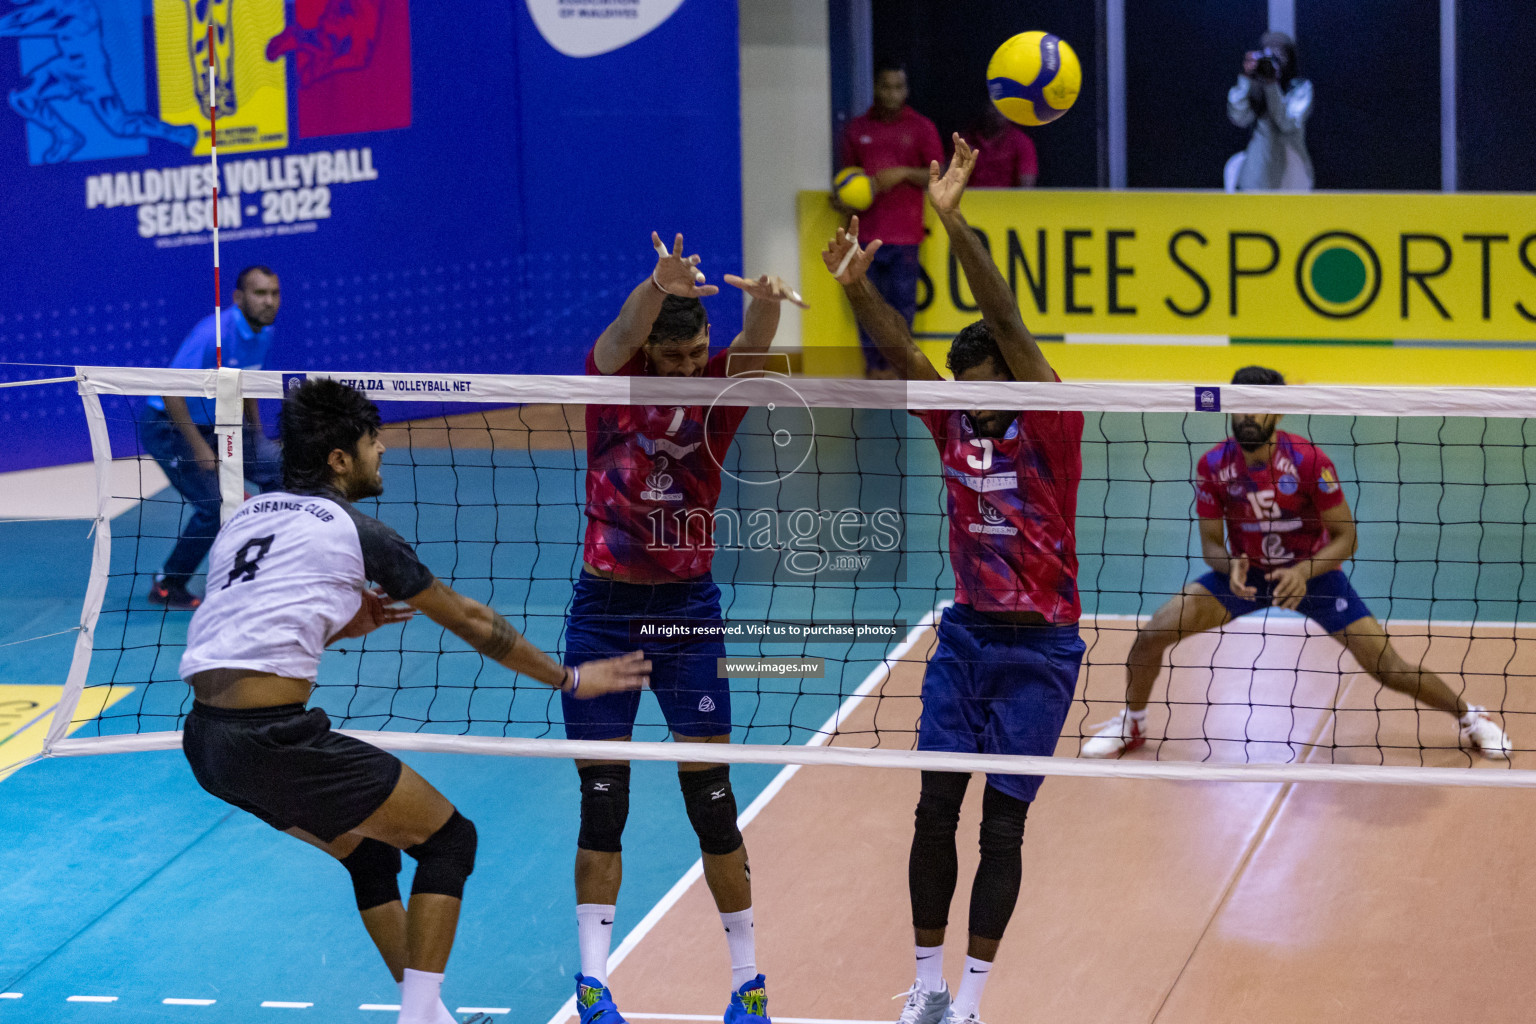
634	368
1207	500
1323	482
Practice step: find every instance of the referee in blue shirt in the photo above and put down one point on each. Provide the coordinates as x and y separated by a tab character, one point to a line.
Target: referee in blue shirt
178	431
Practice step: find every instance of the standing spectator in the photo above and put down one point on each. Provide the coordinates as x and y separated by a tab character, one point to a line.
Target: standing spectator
1005	156
178	431
1271	99
894	144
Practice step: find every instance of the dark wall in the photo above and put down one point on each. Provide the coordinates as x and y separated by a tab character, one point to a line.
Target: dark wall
1181	57
946	45
1376	67
1496	71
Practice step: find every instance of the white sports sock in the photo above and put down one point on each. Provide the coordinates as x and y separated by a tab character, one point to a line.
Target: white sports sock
930	968
444	1015
968	1001
1137	716
743	945
594	933
420	997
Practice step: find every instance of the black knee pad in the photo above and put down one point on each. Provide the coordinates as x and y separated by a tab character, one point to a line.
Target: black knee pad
604	807
938	807
373	867
1002	823
444	861
712	808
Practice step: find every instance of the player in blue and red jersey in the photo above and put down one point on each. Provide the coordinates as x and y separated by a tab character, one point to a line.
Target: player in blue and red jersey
1288	529
653	477
1006	666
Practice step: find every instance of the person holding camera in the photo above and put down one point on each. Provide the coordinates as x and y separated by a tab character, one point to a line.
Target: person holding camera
1271	99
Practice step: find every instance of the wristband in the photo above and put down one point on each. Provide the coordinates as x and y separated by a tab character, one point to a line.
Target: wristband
658	284
575	681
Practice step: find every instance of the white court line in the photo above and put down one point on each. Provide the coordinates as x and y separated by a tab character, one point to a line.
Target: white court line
1295	621
489	1009
272	1004
188	1002
393	1007
693	874
91	999
10	995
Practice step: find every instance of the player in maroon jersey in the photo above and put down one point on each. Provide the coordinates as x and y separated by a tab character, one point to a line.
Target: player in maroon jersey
1288	530
653	478
1005	669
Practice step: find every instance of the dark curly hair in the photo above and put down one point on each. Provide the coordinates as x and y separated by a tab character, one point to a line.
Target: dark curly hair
1257	375
680	319
974	346
318	417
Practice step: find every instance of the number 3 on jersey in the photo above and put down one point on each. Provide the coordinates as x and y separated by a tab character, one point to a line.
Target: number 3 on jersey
982	462
248	559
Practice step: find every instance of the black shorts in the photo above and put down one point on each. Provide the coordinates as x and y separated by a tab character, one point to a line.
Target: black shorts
285	765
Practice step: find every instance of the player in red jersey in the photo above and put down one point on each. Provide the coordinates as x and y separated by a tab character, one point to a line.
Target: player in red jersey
1288	530
1005	669
653	477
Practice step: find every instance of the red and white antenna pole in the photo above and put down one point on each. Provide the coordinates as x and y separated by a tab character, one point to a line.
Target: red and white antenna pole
213	156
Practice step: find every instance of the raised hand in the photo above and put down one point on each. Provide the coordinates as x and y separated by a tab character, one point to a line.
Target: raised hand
677	274
945	190
767	288
845	260
374	612
630	671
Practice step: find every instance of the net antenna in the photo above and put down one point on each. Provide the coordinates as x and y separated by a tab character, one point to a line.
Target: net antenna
213	159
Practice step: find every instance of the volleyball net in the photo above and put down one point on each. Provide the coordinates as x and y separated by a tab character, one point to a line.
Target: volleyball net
832	557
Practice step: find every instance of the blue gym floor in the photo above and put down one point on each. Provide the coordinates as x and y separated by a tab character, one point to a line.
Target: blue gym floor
120	877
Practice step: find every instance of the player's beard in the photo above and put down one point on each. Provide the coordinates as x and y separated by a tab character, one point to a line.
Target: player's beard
991	424
1251	436
365	487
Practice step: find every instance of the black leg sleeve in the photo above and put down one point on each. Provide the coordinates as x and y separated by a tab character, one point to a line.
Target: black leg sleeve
998	877
933	865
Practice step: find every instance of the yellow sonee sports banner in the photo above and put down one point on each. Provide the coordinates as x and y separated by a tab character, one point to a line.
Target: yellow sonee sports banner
1363	266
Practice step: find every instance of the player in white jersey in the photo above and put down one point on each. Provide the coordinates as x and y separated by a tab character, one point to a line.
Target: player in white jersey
288	575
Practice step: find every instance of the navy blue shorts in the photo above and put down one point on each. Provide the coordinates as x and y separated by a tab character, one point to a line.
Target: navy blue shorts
1330	602
684	674
994	688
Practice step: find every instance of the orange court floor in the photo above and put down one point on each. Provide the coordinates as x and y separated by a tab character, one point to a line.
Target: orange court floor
1175	902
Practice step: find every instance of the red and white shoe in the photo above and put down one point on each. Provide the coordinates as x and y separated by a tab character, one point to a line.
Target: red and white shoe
1120	735
1480	732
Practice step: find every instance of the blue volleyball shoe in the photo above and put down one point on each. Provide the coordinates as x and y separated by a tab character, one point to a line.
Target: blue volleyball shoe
749	1004
595	1003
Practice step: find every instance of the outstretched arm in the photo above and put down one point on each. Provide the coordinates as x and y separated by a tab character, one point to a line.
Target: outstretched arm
493	636
675	274
849	264
761	322
998	305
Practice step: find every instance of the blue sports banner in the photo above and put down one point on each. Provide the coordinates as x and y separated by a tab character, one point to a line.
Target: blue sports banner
445	186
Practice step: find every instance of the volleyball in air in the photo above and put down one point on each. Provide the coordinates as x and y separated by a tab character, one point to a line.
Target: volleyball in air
1034	78
853	188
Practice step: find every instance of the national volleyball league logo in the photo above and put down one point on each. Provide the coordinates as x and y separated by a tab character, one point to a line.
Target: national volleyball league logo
586	30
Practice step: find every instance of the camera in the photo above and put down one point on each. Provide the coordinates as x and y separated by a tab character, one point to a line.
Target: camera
1266	62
